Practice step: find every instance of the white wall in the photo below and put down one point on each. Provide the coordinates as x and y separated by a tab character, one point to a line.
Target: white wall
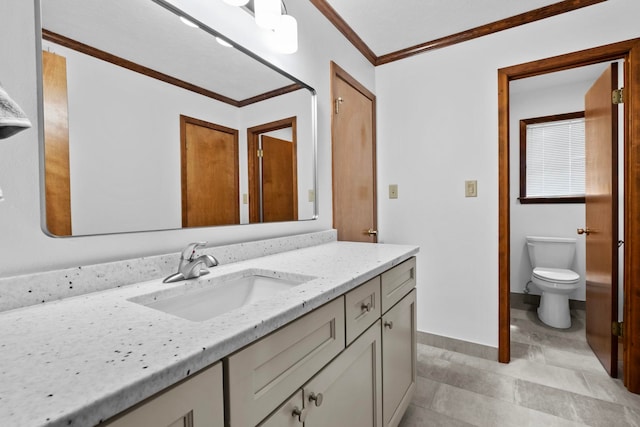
25	248
558	219
437	127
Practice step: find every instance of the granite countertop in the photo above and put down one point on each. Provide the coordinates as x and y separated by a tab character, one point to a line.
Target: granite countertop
83	359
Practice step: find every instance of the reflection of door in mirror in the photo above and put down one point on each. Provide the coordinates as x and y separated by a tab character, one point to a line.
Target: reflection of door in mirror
56	143
273	182
210	187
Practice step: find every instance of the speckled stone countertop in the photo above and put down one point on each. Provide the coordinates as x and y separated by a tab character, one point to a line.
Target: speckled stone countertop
83	359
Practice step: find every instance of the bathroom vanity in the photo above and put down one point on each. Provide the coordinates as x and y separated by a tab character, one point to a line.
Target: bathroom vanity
336	349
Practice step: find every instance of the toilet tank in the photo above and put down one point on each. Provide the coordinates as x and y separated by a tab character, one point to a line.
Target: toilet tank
551	252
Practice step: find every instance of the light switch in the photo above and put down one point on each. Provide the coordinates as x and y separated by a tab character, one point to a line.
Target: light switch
245	198
471	188
312	196
393	191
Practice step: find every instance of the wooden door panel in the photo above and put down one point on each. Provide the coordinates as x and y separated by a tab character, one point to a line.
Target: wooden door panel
279	181
354	161
210	181
601	142
56	142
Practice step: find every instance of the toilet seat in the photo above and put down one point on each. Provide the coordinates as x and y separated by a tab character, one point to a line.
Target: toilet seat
556	275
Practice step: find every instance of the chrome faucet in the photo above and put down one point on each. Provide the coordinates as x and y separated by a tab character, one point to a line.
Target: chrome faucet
191	267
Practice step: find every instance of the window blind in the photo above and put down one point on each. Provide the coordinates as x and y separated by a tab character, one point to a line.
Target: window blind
555	158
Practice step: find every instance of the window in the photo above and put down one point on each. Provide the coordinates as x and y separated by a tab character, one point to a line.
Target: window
552	159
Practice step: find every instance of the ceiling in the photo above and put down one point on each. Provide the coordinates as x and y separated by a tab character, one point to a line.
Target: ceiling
388	30
151	36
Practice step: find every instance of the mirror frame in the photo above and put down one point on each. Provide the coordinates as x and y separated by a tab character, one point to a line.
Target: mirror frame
173	9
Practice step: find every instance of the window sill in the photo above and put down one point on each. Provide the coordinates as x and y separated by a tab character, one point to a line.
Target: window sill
542	200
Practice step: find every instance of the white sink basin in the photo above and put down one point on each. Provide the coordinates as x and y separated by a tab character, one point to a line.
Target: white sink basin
207	298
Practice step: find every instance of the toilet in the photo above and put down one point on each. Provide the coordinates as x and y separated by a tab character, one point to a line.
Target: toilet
551	258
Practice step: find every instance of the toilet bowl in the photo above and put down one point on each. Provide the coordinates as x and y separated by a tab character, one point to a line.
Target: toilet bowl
551	258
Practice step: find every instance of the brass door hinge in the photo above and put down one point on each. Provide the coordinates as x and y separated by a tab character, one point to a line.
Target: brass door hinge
617	329
260	153
617	96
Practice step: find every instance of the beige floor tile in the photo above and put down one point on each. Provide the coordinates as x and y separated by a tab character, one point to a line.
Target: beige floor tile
417	416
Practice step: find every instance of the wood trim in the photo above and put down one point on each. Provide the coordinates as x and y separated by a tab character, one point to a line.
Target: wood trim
149	72
339	72
504	223
629	51
524	199
330	13
271	94
184	120
504	24
493	27
253	133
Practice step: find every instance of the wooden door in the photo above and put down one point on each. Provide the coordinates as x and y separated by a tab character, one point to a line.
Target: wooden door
210	180
348	391
354	159
56	144
279	180
601	177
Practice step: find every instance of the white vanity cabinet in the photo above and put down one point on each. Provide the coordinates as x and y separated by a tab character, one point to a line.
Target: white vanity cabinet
350	362
196	402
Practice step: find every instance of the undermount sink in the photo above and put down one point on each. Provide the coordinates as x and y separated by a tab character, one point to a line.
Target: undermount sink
207	298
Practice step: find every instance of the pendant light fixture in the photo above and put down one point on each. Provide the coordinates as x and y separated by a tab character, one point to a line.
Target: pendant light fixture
285	35
267	13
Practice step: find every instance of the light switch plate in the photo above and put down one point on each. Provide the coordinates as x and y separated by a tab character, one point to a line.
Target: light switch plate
393	191
471	188
312	196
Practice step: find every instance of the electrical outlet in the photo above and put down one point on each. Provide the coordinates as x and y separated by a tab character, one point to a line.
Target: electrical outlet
393	191
471	188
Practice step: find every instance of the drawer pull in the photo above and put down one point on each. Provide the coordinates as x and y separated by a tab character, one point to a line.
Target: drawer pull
300	414
388	324
317	398
366	307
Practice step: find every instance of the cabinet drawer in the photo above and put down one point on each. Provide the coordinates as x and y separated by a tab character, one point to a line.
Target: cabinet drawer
362	308
264	374
290	414
397	282
196	402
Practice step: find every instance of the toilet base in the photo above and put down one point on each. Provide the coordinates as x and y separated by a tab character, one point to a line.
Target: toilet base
554	310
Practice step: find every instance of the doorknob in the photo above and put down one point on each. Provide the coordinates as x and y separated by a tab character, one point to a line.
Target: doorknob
584	231
372	232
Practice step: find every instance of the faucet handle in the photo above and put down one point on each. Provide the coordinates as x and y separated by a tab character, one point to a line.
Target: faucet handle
190	250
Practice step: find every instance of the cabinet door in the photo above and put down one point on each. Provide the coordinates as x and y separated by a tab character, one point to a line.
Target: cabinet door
347	392
197	402
398	358
291	414
264	374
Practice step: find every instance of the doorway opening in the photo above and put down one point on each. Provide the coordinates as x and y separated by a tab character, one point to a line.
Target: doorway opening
628	51
273	171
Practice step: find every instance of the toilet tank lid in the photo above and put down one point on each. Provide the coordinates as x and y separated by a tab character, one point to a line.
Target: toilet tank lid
551	239
558	275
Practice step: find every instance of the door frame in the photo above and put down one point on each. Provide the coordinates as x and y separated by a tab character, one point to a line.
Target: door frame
253	135
629	51
338	72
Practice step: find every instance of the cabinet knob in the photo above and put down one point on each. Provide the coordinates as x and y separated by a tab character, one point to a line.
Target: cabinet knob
366	307
300	414
317	398
388	324
585	231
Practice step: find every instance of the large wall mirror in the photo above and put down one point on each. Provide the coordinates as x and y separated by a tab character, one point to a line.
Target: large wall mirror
150	123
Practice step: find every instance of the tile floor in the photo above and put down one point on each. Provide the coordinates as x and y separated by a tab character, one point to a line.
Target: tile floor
553	380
